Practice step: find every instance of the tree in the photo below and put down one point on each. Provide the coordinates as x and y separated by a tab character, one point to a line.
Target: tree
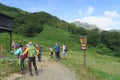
112	40
94	37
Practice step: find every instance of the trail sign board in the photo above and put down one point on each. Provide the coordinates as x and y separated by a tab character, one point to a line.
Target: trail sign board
83	41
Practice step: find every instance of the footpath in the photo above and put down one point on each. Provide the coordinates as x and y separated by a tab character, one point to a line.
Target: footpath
48	70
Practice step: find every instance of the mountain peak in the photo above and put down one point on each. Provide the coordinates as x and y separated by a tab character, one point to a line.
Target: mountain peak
85	25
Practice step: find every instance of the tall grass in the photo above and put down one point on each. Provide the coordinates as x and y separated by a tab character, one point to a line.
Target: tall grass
99	67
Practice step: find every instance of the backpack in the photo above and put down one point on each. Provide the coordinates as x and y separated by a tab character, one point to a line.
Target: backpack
66	48
24	56
38	49
31	51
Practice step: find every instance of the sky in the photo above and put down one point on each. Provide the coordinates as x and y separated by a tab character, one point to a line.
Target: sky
103	13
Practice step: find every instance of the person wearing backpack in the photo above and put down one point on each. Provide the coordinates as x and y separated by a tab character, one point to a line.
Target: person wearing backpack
19	52
25	52
38	52
31	58
64	52
57	52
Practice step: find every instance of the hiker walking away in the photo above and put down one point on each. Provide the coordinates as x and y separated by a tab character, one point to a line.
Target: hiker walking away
64	52
57	52
31	58
38	52
51	52
19	52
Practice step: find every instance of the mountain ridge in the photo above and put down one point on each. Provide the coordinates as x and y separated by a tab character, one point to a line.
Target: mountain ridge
85	25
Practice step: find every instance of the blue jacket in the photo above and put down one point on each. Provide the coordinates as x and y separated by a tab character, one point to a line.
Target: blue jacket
57	48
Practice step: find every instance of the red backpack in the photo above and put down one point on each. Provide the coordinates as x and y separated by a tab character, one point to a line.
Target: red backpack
24	56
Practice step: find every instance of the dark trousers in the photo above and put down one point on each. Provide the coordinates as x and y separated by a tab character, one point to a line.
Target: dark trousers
32	60
51	54
22	64
39	57
57	56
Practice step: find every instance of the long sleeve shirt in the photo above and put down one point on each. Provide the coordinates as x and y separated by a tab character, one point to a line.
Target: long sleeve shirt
18	51
57	48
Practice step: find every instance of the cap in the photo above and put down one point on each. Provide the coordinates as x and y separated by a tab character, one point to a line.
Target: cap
30	42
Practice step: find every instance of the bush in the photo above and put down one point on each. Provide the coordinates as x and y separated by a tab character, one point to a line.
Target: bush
104	51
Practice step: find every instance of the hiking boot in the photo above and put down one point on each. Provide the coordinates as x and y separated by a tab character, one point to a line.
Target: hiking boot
37	73
22	72
31	74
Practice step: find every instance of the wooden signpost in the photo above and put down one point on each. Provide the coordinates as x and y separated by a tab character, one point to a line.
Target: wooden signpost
83	41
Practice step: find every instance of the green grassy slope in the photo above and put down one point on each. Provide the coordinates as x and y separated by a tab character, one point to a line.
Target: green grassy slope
50	35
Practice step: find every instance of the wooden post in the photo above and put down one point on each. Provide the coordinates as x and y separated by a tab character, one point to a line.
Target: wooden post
84	58
10	33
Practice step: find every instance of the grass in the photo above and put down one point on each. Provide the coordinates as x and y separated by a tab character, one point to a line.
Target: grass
50	35
7	67
99	67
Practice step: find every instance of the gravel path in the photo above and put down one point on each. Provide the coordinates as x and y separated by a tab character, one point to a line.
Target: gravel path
48	70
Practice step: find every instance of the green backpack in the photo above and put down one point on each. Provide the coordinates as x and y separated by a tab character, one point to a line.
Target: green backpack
31	51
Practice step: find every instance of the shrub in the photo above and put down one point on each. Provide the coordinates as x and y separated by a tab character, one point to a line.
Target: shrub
104	51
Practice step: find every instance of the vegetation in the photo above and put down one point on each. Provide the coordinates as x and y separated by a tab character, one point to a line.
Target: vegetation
98	67
46	30
31	24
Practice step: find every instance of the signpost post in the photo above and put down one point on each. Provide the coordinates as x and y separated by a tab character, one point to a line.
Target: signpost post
83	41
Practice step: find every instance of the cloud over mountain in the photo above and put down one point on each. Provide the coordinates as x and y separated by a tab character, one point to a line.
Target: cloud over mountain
107	21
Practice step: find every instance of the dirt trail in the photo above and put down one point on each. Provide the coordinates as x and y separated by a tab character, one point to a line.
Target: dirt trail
48	70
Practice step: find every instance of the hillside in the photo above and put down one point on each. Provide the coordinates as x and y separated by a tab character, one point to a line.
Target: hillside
11	11
31	24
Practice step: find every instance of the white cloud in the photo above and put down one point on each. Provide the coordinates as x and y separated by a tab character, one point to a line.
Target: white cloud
87	12
102	22
109	20
112	14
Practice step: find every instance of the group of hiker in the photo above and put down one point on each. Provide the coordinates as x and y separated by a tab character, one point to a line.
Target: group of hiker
57	51
30	52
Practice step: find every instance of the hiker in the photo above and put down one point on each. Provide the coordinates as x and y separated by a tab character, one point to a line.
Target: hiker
19	52
64	52
38	52
57	52
51	52
31	58
16	47
25	52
